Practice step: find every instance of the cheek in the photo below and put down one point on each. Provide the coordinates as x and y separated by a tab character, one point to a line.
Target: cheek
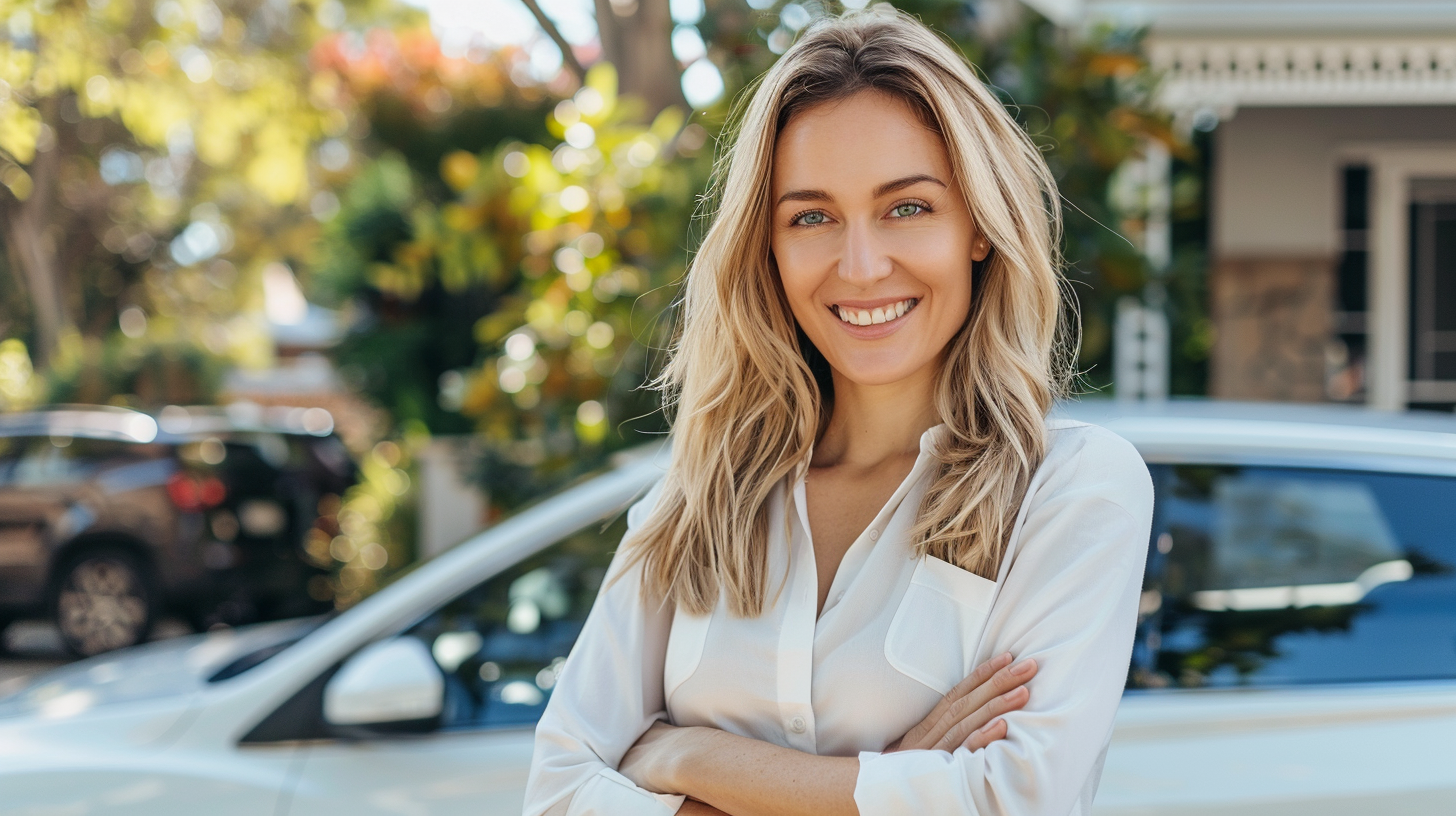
798	276
945	267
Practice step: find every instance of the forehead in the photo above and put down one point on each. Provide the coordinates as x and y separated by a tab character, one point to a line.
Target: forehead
856	143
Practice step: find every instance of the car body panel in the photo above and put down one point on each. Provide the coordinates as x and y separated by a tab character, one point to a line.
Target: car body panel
454	773
1333	751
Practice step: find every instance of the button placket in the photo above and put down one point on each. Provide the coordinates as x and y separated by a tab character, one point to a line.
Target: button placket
796	640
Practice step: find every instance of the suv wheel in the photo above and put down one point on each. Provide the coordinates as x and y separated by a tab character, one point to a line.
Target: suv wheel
103	602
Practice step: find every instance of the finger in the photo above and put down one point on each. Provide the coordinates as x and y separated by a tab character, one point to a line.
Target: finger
979	676
965	709
985	735
923	731
1010	701
1011	677
1013	700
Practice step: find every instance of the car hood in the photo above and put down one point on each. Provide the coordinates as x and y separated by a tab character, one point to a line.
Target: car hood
162	669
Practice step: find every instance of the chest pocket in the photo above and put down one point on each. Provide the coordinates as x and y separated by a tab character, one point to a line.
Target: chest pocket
937	627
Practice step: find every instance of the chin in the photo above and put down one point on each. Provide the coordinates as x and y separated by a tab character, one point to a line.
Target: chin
871	373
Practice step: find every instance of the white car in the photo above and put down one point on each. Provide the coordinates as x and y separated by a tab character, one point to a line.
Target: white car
1296	651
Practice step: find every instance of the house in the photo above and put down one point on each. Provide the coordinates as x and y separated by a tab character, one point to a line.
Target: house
1332	222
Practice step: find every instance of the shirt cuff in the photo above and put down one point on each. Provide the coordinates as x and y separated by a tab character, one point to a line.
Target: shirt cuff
611	794
901	782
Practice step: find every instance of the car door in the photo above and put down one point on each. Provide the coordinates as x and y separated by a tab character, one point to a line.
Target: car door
1297	649
500	647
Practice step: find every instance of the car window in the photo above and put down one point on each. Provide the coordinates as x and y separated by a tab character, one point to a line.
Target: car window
52	461
502	644
1273	576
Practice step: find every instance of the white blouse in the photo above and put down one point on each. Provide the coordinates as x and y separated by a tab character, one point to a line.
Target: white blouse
896	634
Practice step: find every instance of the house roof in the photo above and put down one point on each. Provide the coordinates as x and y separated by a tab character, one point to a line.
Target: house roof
1272	17
1221	55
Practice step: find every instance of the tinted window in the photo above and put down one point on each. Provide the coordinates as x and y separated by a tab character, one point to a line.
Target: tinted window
502	644
63	460
1269	576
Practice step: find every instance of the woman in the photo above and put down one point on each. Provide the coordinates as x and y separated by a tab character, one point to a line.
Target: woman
866	499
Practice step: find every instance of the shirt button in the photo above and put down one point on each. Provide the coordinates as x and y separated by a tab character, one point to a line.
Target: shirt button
874	534
797	725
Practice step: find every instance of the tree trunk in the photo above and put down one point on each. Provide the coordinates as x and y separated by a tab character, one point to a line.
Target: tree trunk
636	37
33	256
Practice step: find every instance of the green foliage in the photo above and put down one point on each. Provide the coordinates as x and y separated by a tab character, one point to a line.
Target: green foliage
126	125
520	303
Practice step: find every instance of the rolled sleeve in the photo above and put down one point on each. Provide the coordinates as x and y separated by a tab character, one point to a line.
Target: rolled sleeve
1069	600
609	794
608	695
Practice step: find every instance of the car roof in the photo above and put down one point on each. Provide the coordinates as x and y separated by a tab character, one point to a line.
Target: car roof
1326	436
172	424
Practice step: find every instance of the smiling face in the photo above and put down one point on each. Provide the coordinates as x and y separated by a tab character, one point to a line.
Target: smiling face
873	240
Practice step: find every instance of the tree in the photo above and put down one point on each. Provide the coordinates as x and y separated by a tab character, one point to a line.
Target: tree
503	270
143	146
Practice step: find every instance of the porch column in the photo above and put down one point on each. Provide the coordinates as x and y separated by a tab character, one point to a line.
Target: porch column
1386	349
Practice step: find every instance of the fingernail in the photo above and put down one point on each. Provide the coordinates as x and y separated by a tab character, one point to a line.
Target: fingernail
1024	667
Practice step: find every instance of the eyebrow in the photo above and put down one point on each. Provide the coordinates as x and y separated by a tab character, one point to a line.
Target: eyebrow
884	189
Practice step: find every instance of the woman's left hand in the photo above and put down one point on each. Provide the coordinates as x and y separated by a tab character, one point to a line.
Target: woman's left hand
650	762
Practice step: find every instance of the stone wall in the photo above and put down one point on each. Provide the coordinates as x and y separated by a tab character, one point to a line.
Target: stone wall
1273	319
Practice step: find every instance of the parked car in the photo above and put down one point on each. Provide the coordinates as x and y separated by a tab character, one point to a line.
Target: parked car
110	517
1296	651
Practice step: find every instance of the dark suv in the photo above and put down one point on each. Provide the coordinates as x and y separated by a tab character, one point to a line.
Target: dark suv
110	517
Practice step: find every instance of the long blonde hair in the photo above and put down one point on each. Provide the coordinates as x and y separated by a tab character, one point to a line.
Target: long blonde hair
749	407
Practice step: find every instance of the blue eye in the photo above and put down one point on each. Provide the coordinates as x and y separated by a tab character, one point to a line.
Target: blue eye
810	219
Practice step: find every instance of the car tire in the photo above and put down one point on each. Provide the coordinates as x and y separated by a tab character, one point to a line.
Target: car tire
103	600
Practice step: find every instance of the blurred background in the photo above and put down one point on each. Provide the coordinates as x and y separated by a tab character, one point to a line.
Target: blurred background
379	272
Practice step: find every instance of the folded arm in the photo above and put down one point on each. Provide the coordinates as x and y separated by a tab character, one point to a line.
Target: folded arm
742	775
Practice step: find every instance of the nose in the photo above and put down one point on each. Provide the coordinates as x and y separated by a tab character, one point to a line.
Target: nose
864	260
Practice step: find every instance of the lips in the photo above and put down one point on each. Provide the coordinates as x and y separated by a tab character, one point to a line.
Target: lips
888	313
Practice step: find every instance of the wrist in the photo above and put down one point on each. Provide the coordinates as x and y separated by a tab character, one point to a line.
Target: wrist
689	745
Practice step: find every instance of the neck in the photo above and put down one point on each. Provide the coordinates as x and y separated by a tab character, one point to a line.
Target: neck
870	424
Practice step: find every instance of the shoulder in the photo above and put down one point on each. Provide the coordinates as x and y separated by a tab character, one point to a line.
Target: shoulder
1092	463
643	506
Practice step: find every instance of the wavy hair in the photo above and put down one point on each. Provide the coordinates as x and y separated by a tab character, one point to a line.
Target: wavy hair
748	406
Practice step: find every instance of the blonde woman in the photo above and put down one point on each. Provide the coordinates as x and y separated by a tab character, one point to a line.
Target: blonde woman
867	511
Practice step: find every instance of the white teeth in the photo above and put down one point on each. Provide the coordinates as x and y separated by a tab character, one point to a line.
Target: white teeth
870	317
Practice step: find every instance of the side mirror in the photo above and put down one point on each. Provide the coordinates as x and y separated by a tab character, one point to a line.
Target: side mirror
393	681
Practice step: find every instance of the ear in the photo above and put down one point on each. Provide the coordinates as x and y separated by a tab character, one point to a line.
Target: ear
980	248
